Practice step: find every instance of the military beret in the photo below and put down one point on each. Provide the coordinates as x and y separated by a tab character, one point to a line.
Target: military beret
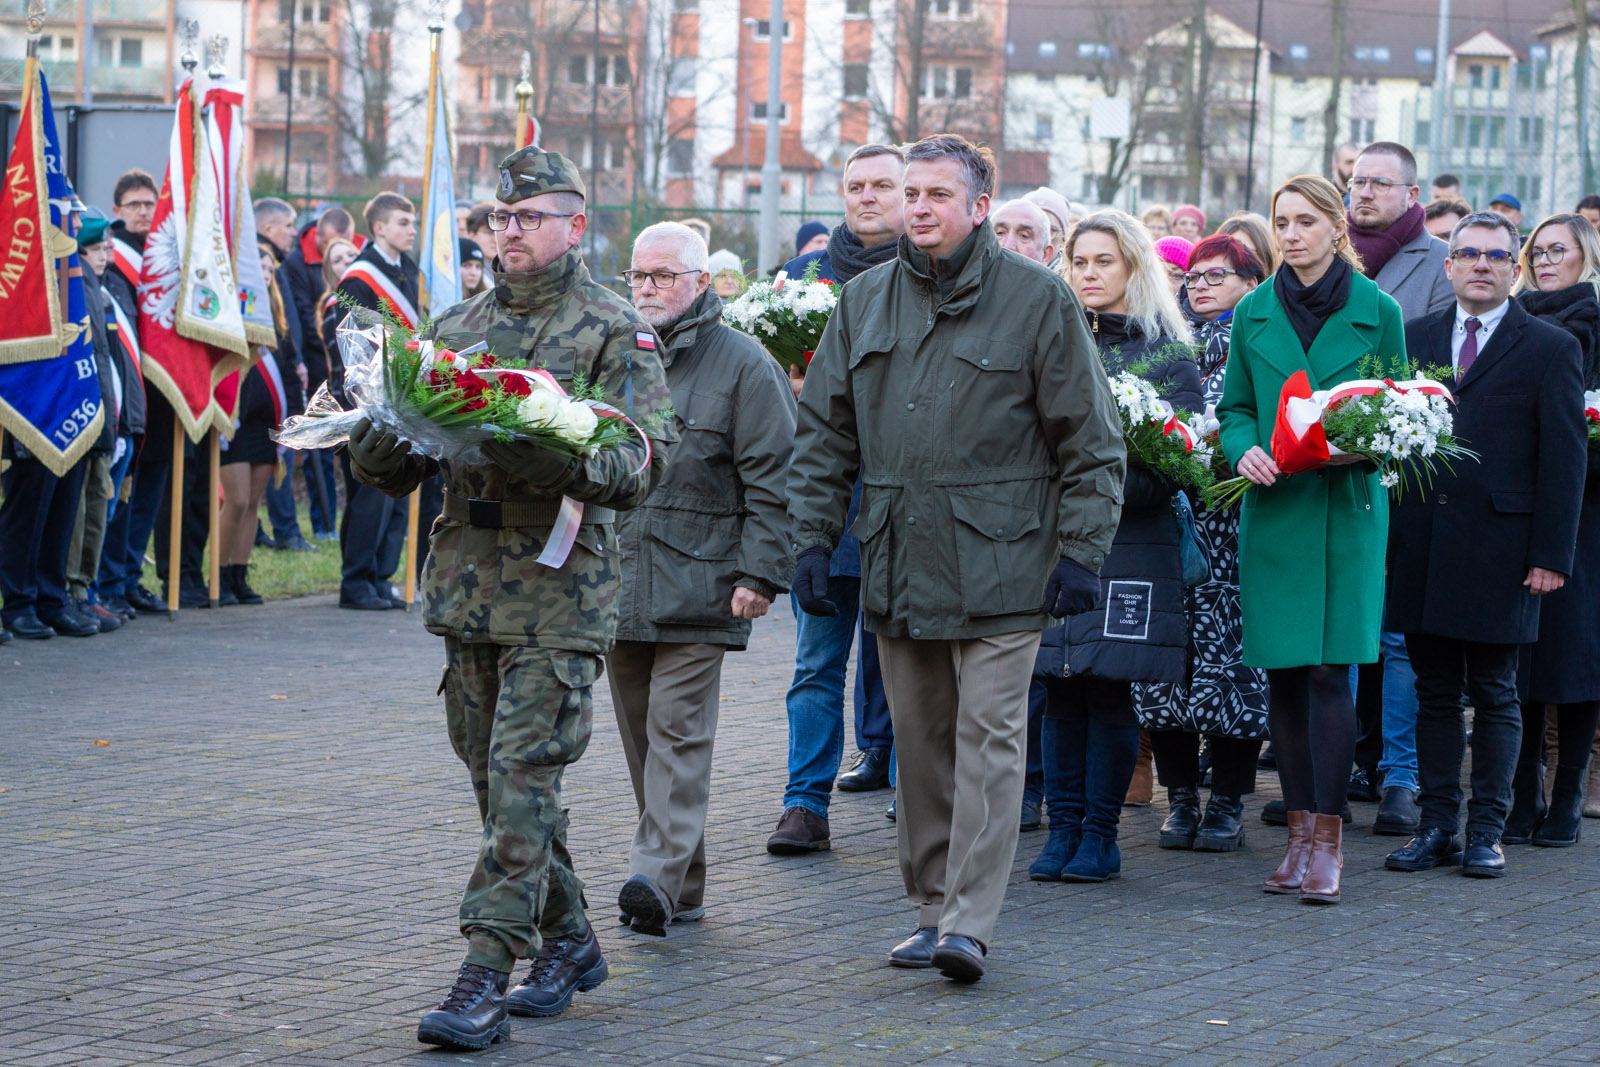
92	231
531	171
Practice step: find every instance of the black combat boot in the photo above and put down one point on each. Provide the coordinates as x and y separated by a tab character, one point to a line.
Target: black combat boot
241	585
473	1015
565	965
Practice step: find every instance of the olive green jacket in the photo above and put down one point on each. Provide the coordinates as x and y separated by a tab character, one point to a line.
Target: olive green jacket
971	398
485	584
717	520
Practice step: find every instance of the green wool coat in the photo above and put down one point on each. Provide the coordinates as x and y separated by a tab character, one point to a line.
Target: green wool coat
1311	546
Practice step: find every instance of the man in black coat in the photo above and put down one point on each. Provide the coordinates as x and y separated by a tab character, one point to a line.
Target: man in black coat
1470	556
374	525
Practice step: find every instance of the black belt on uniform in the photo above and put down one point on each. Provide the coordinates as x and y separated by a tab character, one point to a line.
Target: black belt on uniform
506	513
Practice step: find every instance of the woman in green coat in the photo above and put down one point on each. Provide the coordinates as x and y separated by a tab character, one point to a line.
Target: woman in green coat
1311	545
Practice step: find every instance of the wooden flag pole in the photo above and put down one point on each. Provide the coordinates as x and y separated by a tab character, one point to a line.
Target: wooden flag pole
175	526
214	516
413	505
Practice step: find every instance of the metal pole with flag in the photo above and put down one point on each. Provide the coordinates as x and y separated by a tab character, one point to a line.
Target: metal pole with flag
49	389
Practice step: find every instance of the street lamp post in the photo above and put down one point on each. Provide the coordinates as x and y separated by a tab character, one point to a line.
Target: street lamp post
771	167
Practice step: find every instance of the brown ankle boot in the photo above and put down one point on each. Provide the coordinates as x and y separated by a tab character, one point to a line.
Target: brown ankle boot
1141	790
1321	882
1287	878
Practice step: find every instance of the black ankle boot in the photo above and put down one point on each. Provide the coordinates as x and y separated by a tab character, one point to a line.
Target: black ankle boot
226	597
473	1015
1563	824
241	587
1223	827
1527	807
1183	817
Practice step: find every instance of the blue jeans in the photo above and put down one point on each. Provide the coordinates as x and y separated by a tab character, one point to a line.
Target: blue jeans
310	463
816	697
1399	763
280	499
873	726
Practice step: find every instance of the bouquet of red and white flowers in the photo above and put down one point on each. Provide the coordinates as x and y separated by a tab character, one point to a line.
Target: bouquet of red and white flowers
1404	428
787	315
1160	438
448	404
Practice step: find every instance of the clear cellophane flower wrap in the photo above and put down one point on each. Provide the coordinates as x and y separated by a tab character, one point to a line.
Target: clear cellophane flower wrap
449	404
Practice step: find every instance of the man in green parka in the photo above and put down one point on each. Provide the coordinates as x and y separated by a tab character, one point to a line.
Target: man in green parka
961	381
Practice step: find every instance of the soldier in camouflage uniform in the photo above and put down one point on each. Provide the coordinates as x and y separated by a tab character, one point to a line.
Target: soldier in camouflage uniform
523	641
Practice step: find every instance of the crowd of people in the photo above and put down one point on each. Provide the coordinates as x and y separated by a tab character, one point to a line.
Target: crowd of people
1040	627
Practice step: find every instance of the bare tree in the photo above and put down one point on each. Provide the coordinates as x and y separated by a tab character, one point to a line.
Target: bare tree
654	125
1580	84
1125	68
1196	62
367	115
1330	111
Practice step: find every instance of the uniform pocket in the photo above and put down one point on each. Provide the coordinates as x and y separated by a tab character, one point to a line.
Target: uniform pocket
1002	569
546	706
871	528
691	571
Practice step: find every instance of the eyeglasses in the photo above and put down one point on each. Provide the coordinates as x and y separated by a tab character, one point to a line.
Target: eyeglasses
1552	255
1499	257
1214	276
1377	185
527	221
138	205
663	279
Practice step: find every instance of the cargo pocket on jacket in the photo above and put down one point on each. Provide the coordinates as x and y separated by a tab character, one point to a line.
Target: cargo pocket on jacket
691	571
997	575
871	528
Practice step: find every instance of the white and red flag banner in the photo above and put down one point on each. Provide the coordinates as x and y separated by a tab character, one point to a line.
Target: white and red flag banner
224	113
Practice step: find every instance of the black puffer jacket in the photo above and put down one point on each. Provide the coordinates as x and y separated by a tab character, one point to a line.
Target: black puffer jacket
1138	631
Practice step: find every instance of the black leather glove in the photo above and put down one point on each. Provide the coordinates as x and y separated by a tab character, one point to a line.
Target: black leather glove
376	451
811	583
1071	590
532	462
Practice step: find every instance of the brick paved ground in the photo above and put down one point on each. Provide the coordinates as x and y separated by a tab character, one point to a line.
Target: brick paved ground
262	865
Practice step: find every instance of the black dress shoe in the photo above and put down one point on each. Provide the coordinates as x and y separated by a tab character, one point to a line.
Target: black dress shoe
565	965
1432	847
473	1015
1363	784
119	605
1032	817
869	772
68	623
296	543
190	597
146	602
365	603
916	950
959	958
29	628
890	814
1398	814
102	616
1222	830
1483	857
646	904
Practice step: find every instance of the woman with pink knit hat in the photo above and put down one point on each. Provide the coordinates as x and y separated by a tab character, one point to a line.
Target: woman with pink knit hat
1188	221
1174	253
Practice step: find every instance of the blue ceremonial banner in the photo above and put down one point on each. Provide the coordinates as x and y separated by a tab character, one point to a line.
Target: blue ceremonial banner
441	255
52	406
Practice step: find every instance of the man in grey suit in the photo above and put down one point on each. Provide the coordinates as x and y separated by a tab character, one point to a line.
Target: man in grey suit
1388	227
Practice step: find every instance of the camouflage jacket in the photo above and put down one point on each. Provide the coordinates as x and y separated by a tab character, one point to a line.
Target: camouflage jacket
718	519
485	584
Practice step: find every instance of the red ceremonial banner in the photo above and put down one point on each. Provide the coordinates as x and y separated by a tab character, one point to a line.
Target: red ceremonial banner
30	327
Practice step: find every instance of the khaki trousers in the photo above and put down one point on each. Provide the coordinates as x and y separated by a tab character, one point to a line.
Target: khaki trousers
960	713
666	698
89	528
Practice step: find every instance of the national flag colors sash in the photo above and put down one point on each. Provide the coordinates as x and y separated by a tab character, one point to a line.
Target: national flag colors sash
386	290
31	326
49	401
125	258
179	365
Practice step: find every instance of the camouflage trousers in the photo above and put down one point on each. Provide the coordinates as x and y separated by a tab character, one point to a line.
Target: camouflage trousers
517	716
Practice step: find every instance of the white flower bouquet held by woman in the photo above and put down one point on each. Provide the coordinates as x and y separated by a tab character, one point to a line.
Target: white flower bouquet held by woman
1403	428
787	315
1160	438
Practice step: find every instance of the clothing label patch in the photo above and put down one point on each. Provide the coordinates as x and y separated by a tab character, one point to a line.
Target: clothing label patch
1128	610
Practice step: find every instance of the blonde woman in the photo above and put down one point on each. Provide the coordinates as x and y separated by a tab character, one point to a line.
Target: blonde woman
1560	283
1087	666
1311	546
1251	230
1157	221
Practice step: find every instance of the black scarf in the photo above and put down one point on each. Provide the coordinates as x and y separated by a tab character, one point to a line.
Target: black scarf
849	257
1576	310
1309	306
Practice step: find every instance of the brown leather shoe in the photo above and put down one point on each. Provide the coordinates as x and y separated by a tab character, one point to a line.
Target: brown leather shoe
1287	878
799	831
1142	789
1321	882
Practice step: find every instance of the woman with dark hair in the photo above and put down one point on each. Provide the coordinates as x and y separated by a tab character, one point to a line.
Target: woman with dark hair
1220	698
1089	737
473	280
1560	283
1311	546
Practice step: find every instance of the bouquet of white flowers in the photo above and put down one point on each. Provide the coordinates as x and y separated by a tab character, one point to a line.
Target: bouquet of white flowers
786	315
1158	437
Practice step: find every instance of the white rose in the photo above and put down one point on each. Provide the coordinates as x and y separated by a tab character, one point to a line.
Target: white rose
577	422
540	409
